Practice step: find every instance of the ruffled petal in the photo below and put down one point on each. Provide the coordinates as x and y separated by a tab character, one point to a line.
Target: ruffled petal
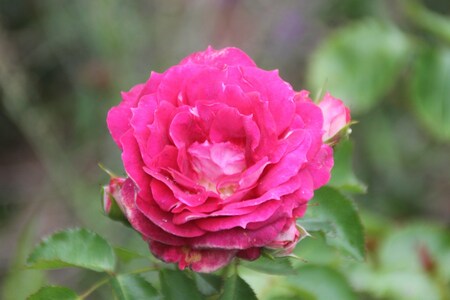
220	58
199	260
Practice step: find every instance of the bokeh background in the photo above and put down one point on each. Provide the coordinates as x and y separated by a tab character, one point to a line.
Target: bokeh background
63	64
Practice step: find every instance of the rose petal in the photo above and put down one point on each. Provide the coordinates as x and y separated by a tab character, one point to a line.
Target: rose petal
208	260
164	220
149	230
239	238
225	57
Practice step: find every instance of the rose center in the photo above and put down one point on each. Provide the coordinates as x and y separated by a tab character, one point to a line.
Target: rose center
216	164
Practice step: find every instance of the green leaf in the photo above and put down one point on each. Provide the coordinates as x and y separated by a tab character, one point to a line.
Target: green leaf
276	266
73	248
323	282
133	287
359	63
54	293
342	176
208	284
236	288
177	284
347	234
430	90
127	255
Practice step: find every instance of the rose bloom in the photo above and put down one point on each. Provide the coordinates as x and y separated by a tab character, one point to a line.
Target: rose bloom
221	157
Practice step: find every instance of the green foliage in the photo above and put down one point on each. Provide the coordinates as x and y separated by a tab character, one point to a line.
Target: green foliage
275	266
236	288
417	248
54	293
73	248
342	175
322	282
177	285
360	63
127	255
208	284
132	287
430	90
409	262
433	22
344	229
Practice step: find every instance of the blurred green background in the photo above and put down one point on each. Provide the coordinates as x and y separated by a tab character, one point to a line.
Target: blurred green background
63	64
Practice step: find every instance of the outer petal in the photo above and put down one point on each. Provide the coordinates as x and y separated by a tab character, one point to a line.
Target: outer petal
277	92
132	161
164	220
320	167
199	260
149	230
220	58
118	119
239	238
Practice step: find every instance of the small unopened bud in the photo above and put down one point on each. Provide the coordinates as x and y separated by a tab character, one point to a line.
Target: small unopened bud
112	200
336	119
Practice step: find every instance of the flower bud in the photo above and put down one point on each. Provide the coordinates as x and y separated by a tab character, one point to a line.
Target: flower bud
111	199
336	119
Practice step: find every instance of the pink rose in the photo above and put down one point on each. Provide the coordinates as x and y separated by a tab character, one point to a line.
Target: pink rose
221	157
336	116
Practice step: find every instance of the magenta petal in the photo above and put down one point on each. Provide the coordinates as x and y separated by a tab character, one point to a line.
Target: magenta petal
276	193
132	161
234	96
277	92
199	260
251	175
320	168
249	254
302	96
163	196
172	85
288	167
166	159
142	115
228	125
118	118
225	57
164	220
185	129
152	84
149	230
159	130
310	114
205	84
260	213
267	128
239	238
184	196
